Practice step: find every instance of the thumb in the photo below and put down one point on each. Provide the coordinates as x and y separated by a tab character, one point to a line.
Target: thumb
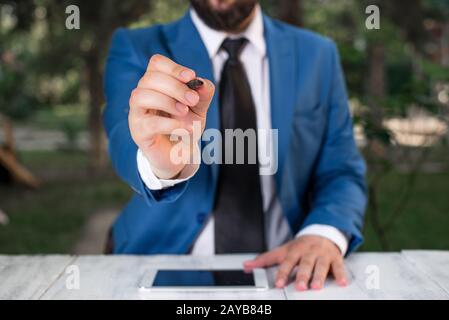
206	93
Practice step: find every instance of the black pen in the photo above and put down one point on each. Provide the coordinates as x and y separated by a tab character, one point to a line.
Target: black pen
195	84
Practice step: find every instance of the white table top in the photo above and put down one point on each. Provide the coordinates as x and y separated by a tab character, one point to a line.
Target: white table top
405	275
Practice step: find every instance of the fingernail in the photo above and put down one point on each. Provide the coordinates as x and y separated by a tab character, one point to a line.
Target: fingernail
187	75
301	286
280	283
192	97
182	109
316	285
343	282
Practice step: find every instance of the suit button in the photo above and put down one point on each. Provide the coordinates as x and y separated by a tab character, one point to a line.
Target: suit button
201	217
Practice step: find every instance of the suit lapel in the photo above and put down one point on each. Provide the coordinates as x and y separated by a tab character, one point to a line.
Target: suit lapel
282	61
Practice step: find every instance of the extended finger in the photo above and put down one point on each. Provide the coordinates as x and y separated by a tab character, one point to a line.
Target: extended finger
304	273
320	272
338	270
286	268
169	86
163	64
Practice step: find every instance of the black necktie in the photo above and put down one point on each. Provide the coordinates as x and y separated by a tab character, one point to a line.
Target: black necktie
239	224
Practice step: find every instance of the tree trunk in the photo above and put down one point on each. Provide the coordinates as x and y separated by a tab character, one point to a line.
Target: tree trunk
97	153
291	11
445	45
375	149
376	81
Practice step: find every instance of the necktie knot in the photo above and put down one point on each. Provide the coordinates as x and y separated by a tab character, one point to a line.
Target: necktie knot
234	47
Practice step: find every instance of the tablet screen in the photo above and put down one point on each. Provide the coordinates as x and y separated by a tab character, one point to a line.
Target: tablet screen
202	278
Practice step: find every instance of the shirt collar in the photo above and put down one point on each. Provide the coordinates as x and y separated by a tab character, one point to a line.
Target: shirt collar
213	39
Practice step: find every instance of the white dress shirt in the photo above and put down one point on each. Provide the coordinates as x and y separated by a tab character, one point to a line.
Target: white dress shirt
255	62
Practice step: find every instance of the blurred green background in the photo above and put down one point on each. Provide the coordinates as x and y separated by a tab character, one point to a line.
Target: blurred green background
58	193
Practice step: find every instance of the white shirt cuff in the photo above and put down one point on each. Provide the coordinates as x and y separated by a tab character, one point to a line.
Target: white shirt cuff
328	232
154	183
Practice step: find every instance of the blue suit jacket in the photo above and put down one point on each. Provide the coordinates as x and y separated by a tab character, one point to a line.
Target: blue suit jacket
320	178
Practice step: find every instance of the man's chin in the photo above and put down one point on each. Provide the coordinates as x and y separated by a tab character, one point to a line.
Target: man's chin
221	5
224	15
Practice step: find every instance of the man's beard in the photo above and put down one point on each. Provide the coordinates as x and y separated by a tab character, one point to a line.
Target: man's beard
229	20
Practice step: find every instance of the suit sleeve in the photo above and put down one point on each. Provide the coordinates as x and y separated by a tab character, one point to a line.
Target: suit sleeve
338	188
124	68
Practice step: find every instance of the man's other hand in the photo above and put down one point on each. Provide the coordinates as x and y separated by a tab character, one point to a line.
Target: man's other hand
312	258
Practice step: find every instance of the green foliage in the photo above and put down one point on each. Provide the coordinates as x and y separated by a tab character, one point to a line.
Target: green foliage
424	226
49	220
403	36
436	71
71	131
16	101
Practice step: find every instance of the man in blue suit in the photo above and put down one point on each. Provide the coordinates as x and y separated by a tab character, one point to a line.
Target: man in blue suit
255	76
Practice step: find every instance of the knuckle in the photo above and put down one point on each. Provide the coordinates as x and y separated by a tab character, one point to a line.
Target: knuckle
316	247
338	270
134	122
261	256
323	260
308	257
320	276
338	261
134	129
285	268
134	96
307	263
312	255
304	271
282	274
266	256
302	276
131	124
291	260
144	81
278	258
155	60
131	120
337	266
177	69
149	78
283	252
295	245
